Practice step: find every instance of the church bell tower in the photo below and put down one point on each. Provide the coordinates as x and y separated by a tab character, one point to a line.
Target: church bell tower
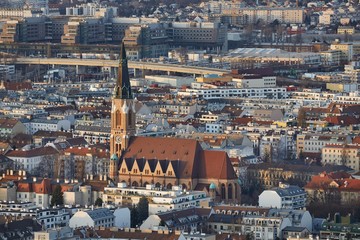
122	115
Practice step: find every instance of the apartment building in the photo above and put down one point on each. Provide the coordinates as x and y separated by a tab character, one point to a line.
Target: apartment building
33	29
284	196
284	15
84	31
161	199
29	29
76	163
115	27
44	124
232	92
257	222
347	52
203	36
254	81
341	154
10	127
342	187
346	30
92	9
100	217
146	41
311	144
29	160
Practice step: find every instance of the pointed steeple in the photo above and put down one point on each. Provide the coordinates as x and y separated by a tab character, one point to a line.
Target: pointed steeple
122	88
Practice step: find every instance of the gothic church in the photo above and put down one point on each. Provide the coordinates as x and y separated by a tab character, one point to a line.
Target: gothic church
164	162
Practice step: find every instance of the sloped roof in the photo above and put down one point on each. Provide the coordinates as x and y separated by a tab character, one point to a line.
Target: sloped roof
42	151
216	165
99	213
18	86
185	150
8	122
43	133
342	120
186	157
84	151
41	186
184	216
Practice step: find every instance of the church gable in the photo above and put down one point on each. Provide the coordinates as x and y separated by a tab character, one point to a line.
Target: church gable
135	168
171	170
124	168
158	169
149	166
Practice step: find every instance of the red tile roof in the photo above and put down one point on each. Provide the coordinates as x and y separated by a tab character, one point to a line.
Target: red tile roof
42	151
186	150
342	120
193	161
84	151
340	181
18	86
242	121
42	186
8	122
216	165
356	140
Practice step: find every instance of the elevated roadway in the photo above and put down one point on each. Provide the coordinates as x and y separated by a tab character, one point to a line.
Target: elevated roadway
114	63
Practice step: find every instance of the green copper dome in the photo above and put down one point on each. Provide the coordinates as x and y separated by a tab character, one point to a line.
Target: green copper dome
114	157
212	186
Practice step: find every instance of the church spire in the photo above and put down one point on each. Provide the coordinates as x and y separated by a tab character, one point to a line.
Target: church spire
122	88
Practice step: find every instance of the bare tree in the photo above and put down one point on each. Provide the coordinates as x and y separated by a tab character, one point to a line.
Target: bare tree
46	167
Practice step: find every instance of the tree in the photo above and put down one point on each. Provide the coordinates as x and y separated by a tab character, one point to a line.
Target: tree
57	196
344	156
134	216
46	167
162	223
267	154
249	236
99	202
301	118
143	209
